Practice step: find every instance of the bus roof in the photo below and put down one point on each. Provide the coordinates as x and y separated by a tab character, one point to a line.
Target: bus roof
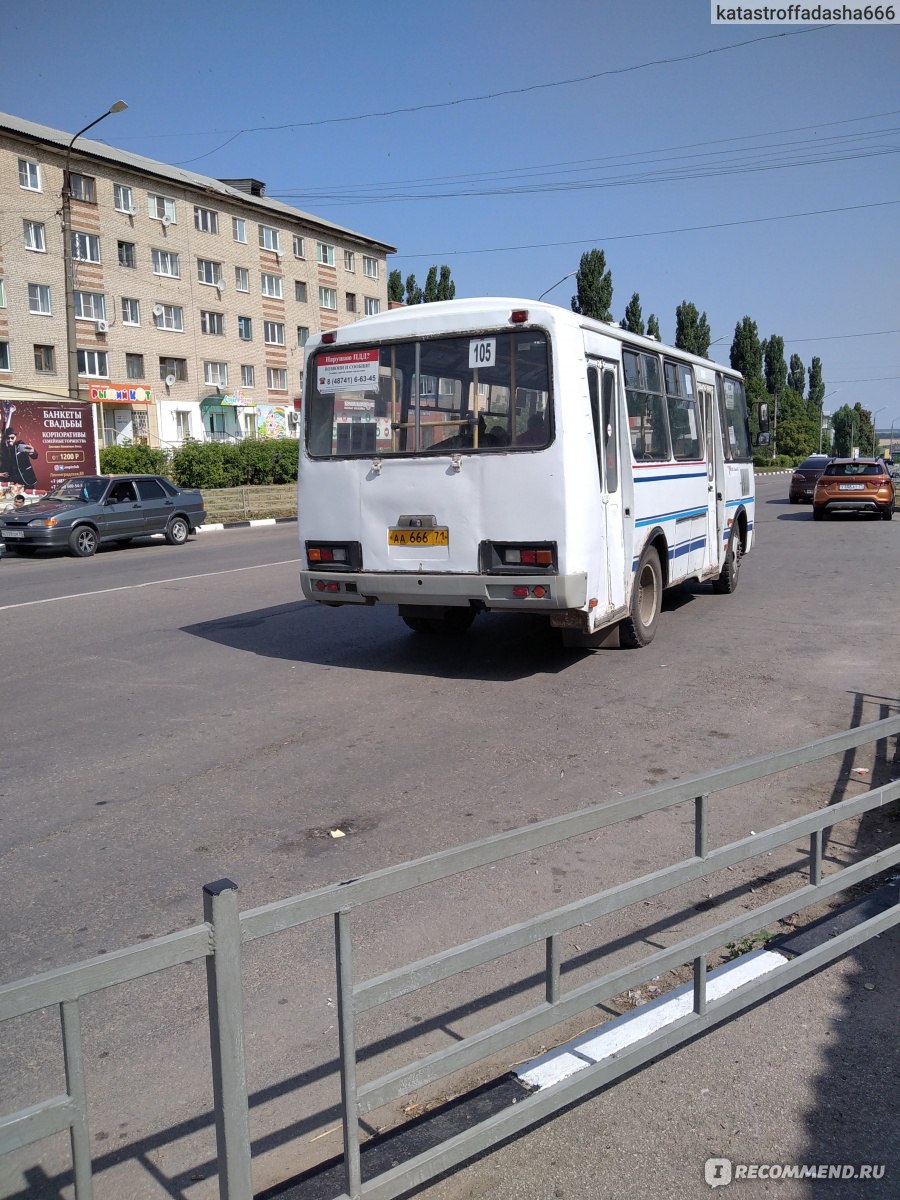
478	312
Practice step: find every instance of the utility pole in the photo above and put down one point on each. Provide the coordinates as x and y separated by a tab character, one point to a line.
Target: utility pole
68	256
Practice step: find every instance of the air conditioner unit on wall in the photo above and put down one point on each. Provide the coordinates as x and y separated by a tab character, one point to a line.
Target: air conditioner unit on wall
103	326
293	418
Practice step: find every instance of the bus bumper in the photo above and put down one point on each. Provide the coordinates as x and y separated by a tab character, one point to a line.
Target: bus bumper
545	593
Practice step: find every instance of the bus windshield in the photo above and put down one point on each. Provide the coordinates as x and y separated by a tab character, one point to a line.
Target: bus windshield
438	395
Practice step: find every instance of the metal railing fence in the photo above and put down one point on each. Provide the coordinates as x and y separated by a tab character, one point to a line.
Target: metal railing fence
218	940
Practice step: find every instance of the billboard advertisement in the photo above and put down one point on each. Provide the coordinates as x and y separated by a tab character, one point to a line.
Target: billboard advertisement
44	442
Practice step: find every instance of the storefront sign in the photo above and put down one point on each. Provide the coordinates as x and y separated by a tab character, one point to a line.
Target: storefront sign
113	394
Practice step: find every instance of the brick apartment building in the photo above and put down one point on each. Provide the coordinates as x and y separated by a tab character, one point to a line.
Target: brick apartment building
193	296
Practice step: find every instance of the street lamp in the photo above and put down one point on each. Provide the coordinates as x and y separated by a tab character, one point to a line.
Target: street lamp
822	414
874	431
556	285
68	259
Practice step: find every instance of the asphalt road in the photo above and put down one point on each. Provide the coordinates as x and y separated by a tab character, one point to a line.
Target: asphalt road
175	715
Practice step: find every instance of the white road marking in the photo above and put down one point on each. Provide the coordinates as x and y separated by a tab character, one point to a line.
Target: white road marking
149	583
616	1035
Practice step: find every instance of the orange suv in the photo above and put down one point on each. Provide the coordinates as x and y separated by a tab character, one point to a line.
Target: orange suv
854	485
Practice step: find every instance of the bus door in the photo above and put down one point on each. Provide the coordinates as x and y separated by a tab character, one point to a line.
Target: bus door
715	470
605	415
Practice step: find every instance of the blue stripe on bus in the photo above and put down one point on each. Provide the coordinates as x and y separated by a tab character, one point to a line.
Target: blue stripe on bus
668	478
671	516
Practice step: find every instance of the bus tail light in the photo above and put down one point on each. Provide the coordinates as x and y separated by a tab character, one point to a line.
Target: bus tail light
519	558
518	316
334	556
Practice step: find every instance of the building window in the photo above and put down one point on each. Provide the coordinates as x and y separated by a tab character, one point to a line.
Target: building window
206	220
123	199
270	285
327	298
269	238
209	272
90	306
127	257
299	291
131	311
273	333
299	249
242	279
351	302
82	187
239	229
29	175
93	363
276	379
373	306
182	424
212	322
248	375
44	360
302	335
4	356
216	373
2	293
86	247
161	208
349	260
39	300
245	329
168	316
165	262
325	254
370	267
34	236
173	366
134	366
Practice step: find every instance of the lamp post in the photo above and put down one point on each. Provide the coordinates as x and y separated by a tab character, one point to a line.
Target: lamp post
874	431
556	285
68	259
891	442
822	414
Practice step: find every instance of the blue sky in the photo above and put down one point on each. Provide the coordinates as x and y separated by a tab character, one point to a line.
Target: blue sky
509	190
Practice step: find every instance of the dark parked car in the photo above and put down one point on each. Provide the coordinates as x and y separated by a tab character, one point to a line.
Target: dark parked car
855	485
803	481
89	509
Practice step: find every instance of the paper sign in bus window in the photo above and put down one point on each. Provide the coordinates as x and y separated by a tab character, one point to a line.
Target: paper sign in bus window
354	371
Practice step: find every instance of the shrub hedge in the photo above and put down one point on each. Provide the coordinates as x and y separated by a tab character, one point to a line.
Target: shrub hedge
209	464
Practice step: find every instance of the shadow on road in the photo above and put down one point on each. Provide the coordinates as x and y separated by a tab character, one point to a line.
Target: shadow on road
499	647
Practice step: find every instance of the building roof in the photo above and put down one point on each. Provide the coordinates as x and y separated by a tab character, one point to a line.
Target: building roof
86	148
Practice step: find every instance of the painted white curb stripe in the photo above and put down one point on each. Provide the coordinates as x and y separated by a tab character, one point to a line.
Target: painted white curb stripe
207	528
622	1032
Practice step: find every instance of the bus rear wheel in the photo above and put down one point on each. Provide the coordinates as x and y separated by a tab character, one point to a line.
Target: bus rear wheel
728	576
451	622
639	627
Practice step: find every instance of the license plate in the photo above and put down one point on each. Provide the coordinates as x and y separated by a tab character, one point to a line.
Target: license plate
13	533
418	537
851	487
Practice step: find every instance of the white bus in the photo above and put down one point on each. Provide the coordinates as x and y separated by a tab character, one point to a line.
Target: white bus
492	455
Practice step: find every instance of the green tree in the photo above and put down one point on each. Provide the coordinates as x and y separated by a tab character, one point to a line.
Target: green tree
430	294
413	291
797	374
692	331
746	351
446	286
774	366
653	327
816	383
395	287
634	321
595	287
852	427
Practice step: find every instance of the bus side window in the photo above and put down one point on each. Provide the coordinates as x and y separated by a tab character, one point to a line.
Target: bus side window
610	432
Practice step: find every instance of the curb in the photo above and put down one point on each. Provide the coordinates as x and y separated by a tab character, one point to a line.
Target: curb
215	527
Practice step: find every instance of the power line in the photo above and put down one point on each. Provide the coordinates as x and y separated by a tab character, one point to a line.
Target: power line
533	87
598	239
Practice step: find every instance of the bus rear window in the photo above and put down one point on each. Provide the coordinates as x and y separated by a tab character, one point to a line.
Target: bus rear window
436	396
